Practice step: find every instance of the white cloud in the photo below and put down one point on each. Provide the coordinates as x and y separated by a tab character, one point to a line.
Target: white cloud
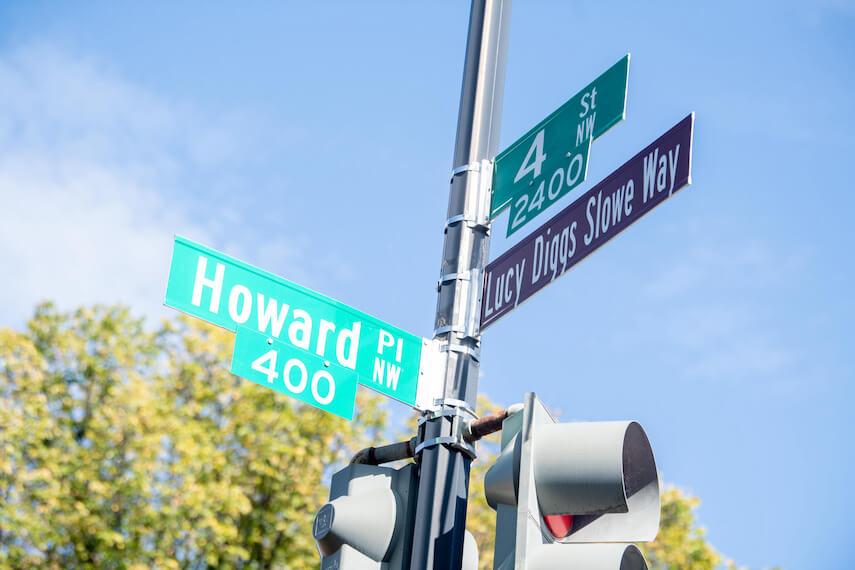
91	170
80	232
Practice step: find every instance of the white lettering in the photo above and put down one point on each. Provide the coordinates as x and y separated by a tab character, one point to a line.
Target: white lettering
662	175
533	159
268	315
576	161
508	293
630	192
497	297
537	262
379	371
488	308
241	316
300	330
607	208
215	284
649	174
563	247
585	129
520	270
346	355
386	339
673	167
589	235
617	198
572	240
304	375
392	374
555	189
324	329
316	378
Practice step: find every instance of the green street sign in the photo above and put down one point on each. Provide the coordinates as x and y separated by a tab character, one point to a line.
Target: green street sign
558	144
533	200
297	373
232	294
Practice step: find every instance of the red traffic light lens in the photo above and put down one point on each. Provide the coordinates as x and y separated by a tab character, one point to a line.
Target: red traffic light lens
559	525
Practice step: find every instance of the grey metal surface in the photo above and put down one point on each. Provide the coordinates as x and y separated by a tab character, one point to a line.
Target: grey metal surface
604	474
586	557
501	483
444	471
367	524
601	473
470	552
365	520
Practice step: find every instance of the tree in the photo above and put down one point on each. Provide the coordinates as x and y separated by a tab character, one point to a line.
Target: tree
126	448
680	542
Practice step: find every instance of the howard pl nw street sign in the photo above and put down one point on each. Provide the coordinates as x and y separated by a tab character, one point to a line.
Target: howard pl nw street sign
295	340
552	158
601	213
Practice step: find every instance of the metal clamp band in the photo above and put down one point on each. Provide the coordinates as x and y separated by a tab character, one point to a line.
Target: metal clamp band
463	411
449	328
460	414
468	221
435	441
458	218
455	403
449	277
476	354
456	442
473	167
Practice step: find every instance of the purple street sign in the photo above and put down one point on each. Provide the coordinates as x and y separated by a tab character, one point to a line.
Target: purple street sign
642	183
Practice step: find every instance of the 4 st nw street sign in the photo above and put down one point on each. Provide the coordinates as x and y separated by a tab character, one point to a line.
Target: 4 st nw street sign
295	340
552	158
643	182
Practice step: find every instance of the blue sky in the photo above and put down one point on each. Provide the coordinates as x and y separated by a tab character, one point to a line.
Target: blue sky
315	140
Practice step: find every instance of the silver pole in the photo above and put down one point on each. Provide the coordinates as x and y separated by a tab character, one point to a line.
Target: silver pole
440	517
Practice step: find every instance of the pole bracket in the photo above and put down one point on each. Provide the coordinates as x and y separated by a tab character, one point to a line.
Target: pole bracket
462	349
469	221
461	415
471	167
460	275
449	328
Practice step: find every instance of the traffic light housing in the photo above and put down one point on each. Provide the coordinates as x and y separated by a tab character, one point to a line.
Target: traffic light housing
572	495
367	524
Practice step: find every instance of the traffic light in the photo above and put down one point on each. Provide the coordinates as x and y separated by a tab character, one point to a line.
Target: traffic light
572	495
368	522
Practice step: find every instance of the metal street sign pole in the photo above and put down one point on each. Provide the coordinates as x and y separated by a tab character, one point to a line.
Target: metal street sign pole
444	465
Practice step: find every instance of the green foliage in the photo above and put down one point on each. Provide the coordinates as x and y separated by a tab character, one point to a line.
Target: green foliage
680	543
123	448
480	517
